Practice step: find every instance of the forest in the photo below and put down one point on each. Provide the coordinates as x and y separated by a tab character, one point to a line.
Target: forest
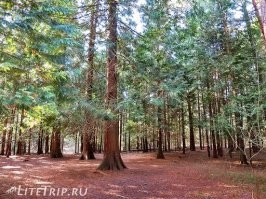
167	94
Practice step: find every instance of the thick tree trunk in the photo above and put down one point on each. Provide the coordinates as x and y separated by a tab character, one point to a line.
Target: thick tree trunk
55	148
87	150
112	159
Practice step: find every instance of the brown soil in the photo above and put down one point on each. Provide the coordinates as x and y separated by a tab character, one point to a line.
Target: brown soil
178	176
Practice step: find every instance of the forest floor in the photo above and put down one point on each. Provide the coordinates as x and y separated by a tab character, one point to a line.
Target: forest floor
178	176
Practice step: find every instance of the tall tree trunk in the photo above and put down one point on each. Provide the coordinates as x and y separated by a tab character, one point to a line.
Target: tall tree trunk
145	129
183	130
40	142
160	154
55	147
29	142
206	129
240	138
76	142
9	133
21	141
129	141
87	150
4	138
112	159
190	121
16	132
46	148
199	120
212	130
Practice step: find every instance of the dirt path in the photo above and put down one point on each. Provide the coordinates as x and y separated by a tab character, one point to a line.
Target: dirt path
176	177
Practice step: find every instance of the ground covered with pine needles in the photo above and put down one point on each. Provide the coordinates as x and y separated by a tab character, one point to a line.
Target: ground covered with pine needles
178	176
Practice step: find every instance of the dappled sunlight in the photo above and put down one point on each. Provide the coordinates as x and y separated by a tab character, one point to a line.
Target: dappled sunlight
18	172
146	177
178	185
228	186
38	176
11	167
39	182
46	162
114	186
17	177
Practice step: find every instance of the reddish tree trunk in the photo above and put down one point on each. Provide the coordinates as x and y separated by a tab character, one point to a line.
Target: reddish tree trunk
20	149
29	142
9	134
183	131
87	149
55	148
46	148
112	159
40	141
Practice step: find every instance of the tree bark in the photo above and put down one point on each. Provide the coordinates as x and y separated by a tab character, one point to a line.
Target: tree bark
9	133
46	148
183	131
199	120
112	159
213	138
29	142
191	126
21	141
40	142
160	154
206	129
240	138
87	149
261	17
55	148
4	138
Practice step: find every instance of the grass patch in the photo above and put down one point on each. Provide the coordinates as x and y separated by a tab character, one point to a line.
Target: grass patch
250	178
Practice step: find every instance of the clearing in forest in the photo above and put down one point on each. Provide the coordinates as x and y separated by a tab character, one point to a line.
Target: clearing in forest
178	176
